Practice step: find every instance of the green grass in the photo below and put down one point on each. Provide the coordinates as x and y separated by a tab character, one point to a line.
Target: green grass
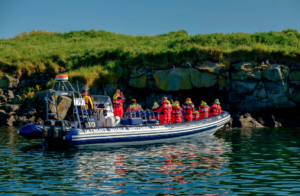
95	56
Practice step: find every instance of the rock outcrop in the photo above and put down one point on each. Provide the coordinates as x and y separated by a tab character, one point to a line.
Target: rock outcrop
243	87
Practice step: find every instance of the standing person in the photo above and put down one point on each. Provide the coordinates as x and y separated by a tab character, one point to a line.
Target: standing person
122	97
215	109
169	110
188	108
163	110
87	99
176	113
203	110
118	100
132	108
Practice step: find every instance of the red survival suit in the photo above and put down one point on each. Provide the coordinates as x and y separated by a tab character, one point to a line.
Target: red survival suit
188	108
176	114
196	115
215	109
132	108
163	110
203	111
169	111
118	104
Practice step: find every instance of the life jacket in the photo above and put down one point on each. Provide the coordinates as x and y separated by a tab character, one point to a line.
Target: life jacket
188	108
196	115
118	101
203	111
162	110
215	109
176	113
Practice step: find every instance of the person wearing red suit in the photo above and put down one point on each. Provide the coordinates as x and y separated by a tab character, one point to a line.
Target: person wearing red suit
132	108
215	109
188	108
118	100
203	110
163	112
176	113
169	110
196	115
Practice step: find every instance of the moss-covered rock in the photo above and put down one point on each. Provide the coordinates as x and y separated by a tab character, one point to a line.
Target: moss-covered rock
281	102
209	67
224	82
243	86
173	79
16	99
203	79
138	73
260	91
276	90
295	76
243	66
139	82
295	67
8	82
186	65
276	72
244	75
64	104
294	92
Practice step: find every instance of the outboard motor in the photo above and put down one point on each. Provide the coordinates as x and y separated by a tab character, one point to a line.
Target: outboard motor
54	131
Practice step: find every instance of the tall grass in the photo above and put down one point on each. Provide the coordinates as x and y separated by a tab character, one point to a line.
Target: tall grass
92	56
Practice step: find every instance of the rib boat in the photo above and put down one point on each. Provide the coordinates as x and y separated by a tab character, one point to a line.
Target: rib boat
101	127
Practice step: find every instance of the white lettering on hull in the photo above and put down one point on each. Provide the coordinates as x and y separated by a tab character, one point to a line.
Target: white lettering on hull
90	131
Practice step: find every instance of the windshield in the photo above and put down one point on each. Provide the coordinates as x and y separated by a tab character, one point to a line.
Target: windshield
100	98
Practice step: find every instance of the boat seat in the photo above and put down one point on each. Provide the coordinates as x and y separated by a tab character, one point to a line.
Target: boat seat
131	121
151	121
124	121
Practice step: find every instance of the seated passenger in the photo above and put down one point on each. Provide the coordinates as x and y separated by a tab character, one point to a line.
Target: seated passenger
203	110
132	108
196	115
188	108
176	116
215	109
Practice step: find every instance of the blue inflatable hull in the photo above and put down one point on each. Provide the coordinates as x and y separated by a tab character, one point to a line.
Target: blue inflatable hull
31	131
133	134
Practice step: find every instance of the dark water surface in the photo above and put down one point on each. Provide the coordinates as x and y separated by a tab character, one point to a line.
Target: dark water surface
235	162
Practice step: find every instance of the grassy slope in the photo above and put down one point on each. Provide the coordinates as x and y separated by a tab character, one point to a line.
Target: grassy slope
92	56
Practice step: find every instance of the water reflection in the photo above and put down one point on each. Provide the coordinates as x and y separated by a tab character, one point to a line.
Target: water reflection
252	161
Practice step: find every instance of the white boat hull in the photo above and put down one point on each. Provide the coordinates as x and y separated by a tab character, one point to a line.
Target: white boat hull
138	135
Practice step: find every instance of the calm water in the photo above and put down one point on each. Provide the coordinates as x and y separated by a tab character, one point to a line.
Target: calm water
239	162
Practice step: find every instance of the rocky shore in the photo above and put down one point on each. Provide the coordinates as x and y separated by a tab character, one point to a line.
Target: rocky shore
267	95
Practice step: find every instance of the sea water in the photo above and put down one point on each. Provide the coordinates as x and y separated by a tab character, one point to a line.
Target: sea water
233	162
